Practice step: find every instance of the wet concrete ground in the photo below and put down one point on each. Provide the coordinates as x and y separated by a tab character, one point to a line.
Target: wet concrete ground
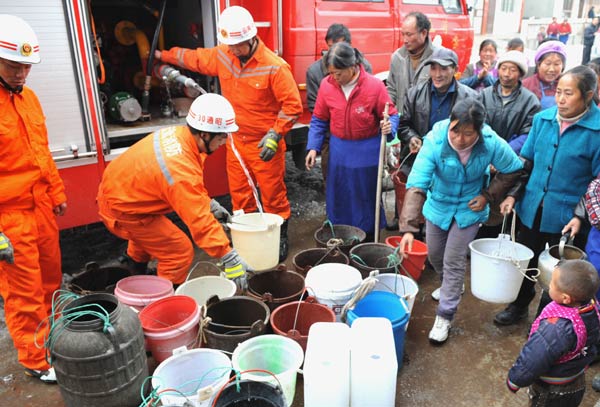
469	370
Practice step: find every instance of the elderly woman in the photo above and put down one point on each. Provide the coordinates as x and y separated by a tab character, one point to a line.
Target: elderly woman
564	147
550	60
483	73
350	104
452	170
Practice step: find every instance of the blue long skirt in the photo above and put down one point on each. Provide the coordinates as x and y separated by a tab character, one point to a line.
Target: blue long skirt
352	183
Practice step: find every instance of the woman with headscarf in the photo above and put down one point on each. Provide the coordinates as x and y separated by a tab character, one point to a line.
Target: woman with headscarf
550	62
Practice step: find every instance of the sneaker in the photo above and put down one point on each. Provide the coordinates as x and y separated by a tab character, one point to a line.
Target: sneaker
46	376
436	293
511	315
440	330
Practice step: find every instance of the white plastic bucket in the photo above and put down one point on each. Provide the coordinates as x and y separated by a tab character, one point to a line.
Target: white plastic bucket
494	275
202	288
255	236
402	286
277	354
198	373
333	284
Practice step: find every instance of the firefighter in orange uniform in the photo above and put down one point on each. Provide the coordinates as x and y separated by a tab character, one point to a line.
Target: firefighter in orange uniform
266	100
163	173
32	193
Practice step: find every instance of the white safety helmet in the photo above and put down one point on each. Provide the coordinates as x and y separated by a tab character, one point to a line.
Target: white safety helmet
236	25
18	42
212	113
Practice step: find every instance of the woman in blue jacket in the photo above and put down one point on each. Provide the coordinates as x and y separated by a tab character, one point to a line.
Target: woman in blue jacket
452	171
564	146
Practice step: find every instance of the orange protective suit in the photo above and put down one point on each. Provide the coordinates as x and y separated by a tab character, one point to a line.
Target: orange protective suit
31	188
264	96
159	174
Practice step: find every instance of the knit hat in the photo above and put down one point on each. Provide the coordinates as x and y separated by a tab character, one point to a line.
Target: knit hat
516	57
548	47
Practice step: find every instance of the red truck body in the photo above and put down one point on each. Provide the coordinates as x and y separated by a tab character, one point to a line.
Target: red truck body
82	136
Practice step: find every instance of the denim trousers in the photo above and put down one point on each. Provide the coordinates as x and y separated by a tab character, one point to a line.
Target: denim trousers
448	256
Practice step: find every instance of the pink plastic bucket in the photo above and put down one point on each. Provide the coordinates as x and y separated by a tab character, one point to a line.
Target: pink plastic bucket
169	324
141	291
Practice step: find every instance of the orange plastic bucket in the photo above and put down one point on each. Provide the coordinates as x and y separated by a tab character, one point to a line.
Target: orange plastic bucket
414	263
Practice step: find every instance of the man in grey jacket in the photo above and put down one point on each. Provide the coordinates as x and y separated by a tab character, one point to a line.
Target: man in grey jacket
429	102
407	67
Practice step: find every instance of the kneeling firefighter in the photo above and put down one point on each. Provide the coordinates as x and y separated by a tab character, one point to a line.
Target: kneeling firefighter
163	173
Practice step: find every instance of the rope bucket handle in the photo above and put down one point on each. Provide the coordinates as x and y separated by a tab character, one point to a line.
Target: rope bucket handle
512	258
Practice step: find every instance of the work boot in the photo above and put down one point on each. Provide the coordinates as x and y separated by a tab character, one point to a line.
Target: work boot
283	241
596	382
135	267
511	315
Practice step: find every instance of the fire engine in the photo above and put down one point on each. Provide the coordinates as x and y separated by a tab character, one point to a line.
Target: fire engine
93	82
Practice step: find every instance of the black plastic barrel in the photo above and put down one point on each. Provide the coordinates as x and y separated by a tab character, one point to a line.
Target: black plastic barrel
251	394
98	365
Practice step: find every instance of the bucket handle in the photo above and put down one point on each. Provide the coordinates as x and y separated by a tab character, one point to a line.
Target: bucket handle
196	266
515	262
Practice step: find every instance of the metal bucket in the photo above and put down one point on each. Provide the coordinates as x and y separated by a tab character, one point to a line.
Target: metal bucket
548	259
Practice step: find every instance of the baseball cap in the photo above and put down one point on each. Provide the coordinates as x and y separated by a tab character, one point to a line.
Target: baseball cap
443	56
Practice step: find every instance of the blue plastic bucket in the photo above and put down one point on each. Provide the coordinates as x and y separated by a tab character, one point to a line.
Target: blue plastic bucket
384	305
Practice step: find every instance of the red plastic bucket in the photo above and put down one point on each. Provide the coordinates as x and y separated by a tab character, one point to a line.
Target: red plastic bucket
282	319
169	324
414	263
141	291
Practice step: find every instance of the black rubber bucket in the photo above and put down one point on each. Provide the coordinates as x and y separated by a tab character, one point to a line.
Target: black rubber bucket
350	236
96	365
251	394
367	257
276	287
233	320
307	259
96	279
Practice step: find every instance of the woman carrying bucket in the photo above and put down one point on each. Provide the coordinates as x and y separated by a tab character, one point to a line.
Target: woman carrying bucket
350	104
564	146
451	169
